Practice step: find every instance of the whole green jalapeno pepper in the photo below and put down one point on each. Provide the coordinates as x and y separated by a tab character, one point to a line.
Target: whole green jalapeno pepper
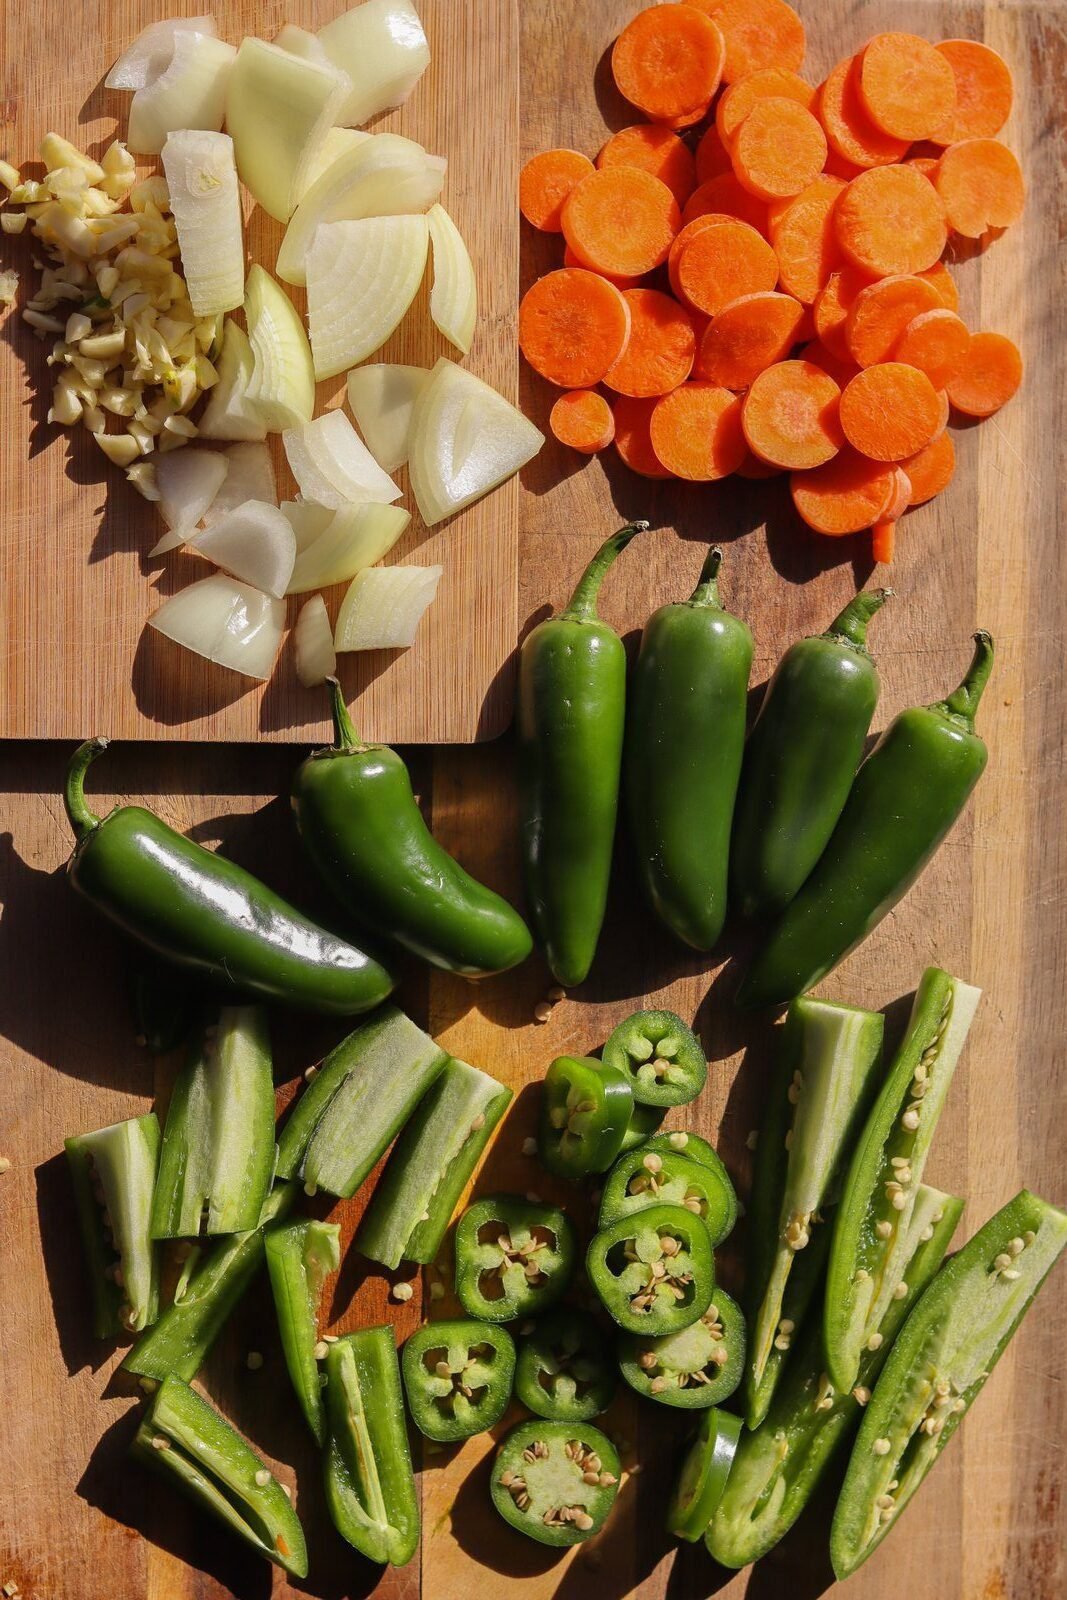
570	715
685	739
906	797
801	758
362	830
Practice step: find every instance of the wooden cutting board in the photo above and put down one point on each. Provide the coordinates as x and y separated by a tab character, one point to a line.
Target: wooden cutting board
76	583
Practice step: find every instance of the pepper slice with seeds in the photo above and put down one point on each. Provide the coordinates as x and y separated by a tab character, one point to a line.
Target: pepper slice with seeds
700	1366
514	1257
936	1369
872	1223
300	1256
651	1176
661	1057
457	1378
654	1272
585	1113
555	1481
113	1171
704	1475
563	1372
370	1487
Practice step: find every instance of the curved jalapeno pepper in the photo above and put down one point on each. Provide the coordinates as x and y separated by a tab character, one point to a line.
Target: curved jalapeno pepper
207	914
113	1172
569	719
370	1487
644	1120
555	1481
300	1256
648	1177
801	758
513	1257
563	1372
704	1475
685	736
699	1366
585	1112
661	1057
905	798
362	829
457	1378
654	1272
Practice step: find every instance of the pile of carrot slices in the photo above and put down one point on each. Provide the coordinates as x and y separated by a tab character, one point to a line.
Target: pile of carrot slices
755	274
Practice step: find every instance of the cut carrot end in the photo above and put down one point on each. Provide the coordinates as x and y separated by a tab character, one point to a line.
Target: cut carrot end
583	420
883	539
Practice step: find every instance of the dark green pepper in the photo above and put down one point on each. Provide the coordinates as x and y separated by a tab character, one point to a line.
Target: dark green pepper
457	1378
685	737
704	1475
585	1112
644	1120
556	1482
906	797
661	1057
654	1272
300	1256
570	713
651	1176
563	1371
113	1171
699	1366
801	758
207	914
514	1257
370	1487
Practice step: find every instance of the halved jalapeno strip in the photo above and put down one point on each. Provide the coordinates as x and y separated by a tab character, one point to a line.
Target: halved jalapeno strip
704	1475
938	1366
370	1487
300	1256
661	1057
584	1116
658	1175
564	1371
113	1172
457	1378
514	1257
654	1272
556	1482
699	1366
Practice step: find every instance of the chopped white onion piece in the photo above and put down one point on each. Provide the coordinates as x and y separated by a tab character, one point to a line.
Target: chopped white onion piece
142	62
249	476
278	110
255	543
187	481
191	93
361	278
333	466
227	622
465	440
307	521
299	42
337	143
383	607
228	413
316	659
206	203
281	388
357	536
382	47
454	296
384	176
381	398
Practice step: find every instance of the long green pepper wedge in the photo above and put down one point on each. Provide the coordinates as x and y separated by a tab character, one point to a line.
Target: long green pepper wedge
569	718
113	1172
370	1487
300	1256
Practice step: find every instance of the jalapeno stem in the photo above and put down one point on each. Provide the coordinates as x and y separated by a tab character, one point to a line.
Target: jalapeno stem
962	704
582	606
852	622
345	736
82	820
706	592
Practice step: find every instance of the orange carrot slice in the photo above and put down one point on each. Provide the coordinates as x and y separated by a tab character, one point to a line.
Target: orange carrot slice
846	495
836	166
880	313
890	411
805	240
937	343
931	470
655	149
633	438
661	348
883	541
944	283
573	326
546	181
582	420
748	336
721	263
696	432
991	373
907	86
737	101
668	61
621	221
790	415
983	91
982	186
689	120
778	150
571	260
832	306
889	220
850	133
725	195
712	157
758	33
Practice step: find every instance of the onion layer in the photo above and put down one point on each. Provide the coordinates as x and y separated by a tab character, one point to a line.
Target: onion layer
150	54
255	543
316	659
382	47
278	109
225	621
355	537
361	278
454	296
206	203
187	482
190	93
382	398
383	607
333	466
281	388
249	476
228	413
465	440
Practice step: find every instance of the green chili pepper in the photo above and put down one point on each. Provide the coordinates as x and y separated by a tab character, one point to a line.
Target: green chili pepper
457	1378
363	831
906	797
370	1487
654	1272
113	1172
704	1475
801	758
214	1279
556	1482
207	914
430	1166
644	1120
684	742
570	713
779	1466
217	1161
183	1436
683	1142
514	1257
827	1070
936	1369
357	1102
872	1223
585	1112
699	1366
647	1177
300	1256
563	1371
660	1056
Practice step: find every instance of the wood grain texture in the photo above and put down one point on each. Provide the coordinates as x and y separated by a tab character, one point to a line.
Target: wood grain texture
67	515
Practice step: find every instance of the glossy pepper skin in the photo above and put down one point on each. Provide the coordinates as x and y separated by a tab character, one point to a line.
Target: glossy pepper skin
906	797
207	914
801	758
684	741
362	830
570	715
370	1488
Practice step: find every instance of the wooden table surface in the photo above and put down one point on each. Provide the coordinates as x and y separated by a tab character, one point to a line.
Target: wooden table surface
77	1521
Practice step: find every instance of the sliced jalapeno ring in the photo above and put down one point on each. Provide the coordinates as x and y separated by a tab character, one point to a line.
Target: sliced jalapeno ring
513	1257
457	1378
699	1366
644	1120
661	1057
653	1176
584	1116
563	1371
654	1271
555	1481
703	1477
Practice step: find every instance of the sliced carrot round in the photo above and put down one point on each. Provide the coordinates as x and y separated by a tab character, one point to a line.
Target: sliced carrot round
633	437
981	185
832	306
991	372
653	148
582	420
931	470
889	220
621	221
880	313
747	336
778	150
661	349
712	156
841	369
983	91
768	83
845	496
668	61
546	181
937	343
721	263
725	194
790	415
696	432
850	133
890	411
758	33
944	283
908	88
573	326
571	260
805	240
